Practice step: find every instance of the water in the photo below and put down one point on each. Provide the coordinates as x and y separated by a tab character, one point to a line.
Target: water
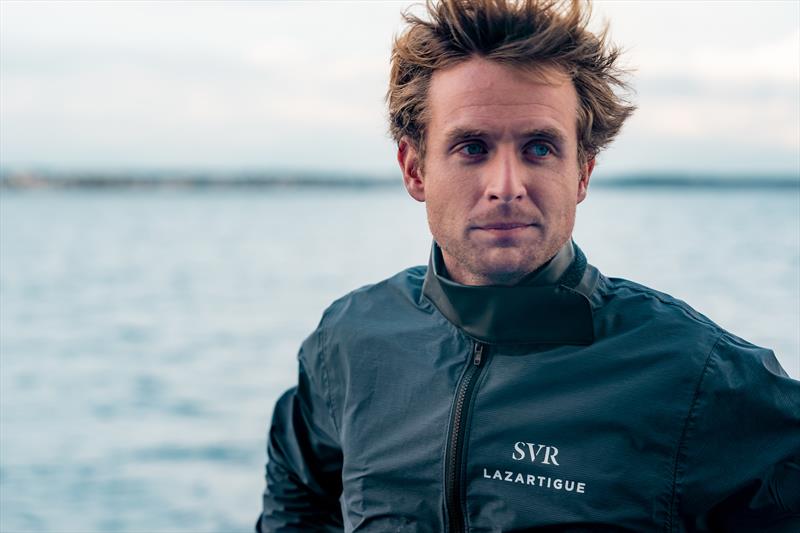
144	336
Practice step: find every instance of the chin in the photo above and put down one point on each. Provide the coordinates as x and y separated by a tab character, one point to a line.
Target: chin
509	260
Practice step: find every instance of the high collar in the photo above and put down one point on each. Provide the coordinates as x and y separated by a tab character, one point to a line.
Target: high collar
548	306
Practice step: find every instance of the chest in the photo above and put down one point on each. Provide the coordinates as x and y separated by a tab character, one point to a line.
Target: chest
556	438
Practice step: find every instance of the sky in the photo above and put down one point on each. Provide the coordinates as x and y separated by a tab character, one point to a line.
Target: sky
299	86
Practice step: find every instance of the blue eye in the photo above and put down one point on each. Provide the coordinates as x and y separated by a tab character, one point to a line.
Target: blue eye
540	150
473	149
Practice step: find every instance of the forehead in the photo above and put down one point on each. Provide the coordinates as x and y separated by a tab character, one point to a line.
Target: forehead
488	96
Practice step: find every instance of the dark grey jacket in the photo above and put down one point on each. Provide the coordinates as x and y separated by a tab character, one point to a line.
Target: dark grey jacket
571	402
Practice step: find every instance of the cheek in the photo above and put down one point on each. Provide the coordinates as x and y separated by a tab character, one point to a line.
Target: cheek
444	194
447	211
562	193
567	208
436	211
557	204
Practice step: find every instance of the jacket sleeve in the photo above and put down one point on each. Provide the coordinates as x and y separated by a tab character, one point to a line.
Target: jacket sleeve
738	464
304	465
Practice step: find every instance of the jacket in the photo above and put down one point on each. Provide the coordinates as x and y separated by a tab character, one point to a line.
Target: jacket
570	402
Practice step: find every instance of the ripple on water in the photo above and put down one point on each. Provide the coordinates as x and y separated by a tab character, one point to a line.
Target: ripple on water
137	400
214	453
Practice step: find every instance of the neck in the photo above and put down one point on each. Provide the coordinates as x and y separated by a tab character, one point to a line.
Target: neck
549	306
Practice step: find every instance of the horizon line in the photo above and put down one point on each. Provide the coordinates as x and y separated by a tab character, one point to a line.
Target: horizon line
152	179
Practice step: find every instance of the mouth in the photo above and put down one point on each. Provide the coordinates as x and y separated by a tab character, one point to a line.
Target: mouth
505	230
504	226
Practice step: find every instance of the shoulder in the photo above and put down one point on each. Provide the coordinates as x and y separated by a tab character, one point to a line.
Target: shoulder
392	298
624	307
650	325
371	310
622	292
628	304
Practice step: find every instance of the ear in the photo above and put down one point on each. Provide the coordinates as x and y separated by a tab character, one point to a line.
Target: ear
583	184
408	158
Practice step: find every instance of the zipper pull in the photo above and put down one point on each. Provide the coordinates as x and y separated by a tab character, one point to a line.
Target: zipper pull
478	354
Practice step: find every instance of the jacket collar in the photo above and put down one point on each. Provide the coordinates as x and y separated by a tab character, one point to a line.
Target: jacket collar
549	306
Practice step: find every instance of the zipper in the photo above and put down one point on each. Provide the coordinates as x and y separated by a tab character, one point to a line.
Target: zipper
455	442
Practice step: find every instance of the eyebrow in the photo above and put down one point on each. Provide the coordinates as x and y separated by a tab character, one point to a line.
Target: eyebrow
460	134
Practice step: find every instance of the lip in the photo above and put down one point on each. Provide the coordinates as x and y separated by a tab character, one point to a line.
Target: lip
503	226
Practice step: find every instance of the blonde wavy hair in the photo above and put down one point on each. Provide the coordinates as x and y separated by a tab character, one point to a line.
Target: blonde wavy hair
522	33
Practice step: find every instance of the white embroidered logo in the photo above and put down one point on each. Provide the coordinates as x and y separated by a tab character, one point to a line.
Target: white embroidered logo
537	453
529	449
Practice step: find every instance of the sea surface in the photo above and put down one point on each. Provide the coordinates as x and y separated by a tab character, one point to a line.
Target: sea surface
145	335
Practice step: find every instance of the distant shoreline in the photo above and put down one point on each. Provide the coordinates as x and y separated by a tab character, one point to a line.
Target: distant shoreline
37	181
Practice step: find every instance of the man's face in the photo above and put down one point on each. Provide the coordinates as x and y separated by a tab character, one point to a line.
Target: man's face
501	178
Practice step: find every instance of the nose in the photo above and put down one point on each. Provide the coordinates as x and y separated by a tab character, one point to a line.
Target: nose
505	179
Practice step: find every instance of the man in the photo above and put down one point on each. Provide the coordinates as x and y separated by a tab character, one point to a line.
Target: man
509	386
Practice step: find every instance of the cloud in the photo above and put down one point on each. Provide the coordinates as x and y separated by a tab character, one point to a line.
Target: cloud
301	84
773	62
